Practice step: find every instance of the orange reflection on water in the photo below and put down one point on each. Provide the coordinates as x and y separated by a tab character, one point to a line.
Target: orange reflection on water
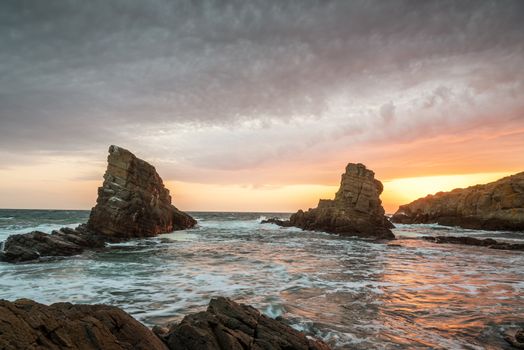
434	297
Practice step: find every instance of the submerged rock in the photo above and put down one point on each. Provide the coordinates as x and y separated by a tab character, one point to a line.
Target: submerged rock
277	221
226	325
497	205
356	210
132	203
486	242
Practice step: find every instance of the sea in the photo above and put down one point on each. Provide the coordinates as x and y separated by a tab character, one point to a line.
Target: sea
350	292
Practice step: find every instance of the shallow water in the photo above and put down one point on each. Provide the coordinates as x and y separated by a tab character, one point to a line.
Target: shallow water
408	294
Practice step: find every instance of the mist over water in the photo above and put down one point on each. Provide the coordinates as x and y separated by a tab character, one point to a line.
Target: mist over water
407	294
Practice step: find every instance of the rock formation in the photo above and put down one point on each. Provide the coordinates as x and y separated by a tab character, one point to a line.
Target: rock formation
226	325
497	205
25	324
355	211
515	337
132	203
486	242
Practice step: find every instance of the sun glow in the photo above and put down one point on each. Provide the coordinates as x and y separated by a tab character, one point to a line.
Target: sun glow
404	190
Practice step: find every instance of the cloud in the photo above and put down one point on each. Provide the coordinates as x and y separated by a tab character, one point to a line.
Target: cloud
387	112
216	91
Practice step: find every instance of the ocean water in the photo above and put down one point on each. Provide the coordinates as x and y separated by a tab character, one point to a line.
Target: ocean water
352	293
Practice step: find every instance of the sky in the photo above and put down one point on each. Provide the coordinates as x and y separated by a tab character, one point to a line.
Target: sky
258	105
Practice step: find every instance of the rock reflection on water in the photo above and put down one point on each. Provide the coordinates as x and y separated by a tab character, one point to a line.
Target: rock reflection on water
355	294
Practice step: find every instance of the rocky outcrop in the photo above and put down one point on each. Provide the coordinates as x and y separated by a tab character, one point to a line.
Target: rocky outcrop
25	324
355	211
132	203
226	325
515	337
486	242
497	205
35	245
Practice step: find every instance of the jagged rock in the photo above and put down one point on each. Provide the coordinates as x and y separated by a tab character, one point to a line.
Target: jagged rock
64	242
227	325
486	242
133	201
25	324
497	205
515	337
355	211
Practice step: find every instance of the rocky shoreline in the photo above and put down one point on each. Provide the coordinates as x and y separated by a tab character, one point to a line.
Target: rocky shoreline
497	205
225	325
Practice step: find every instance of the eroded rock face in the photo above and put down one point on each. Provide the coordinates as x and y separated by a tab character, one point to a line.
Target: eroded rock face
356	210
25	324
497	205
133	201
227	325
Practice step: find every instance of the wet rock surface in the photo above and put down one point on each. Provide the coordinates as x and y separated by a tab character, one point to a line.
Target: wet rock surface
132	203
226	325
356	210
25	324
515	337
486	242
497	205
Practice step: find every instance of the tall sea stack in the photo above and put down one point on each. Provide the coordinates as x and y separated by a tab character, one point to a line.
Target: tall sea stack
133	201
356	210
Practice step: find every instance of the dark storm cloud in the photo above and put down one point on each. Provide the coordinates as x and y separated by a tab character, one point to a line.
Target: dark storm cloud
78	73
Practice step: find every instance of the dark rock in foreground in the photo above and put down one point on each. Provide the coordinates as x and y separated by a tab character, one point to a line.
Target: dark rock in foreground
25	324
226	325
132	203
356	210
497	205
515	338
486	242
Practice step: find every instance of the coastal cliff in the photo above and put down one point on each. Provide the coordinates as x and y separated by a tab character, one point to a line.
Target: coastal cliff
497	205
225	325
356	210
132	203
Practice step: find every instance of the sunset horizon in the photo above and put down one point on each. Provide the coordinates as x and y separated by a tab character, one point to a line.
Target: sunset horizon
262	174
